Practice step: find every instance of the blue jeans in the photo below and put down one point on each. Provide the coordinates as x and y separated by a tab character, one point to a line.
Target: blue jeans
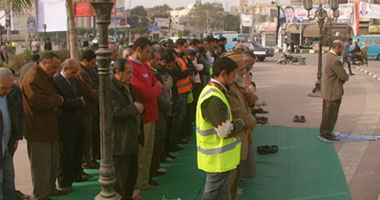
178	118
7	179
217	186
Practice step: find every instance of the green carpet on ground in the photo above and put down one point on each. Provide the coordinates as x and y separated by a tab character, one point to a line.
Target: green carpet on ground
304	168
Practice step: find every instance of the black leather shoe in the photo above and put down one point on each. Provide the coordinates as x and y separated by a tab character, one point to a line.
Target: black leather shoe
260	110
302	119
158	173
262	120
153	182
176	148
56	192
296	118
331	137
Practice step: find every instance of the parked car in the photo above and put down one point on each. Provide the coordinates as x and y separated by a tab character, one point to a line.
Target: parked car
111	40
260	52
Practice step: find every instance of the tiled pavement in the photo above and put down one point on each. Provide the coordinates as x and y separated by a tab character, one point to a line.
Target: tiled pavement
285	89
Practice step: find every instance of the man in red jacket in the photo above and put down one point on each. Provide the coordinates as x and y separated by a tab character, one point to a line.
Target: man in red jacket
147	89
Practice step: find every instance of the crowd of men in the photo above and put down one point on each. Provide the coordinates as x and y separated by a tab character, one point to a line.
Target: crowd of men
161	95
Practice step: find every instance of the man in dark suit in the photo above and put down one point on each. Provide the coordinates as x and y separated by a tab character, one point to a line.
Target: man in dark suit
127	125
333	78
11	130
70	124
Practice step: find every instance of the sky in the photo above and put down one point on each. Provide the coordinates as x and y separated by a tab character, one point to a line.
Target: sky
179	3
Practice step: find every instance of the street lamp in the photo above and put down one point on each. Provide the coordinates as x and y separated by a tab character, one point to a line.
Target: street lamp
7	24
1	34
321	16
103	57
278	19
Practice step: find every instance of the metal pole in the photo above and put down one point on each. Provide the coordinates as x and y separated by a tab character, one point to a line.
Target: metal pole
115	24
103	57
317	89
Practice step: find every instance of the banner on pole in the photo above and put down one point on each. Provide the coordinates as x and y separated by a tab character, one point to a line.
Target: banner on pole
246	20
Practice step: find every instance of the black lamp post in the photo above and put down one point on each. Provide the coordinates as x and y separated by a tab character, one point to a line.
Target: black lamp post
321	16
278	19
103	57
1	34
7	24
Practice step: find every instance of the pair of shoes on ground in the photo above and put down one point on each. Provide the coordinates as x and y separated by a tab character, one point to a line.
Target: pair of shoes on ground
266	149
261	120
260	111
300	119
330	137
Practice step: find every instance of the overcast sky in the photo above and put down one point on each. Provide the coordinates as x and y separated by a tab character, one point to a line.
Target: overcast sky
179	3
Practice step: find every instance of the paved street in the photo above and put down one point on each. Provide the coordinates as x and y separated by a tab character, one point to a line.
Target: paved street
285	89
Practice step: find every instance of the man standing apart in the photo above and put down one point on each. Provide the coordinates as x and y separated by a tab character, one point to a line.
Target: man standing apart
218	148
41	103
333	78
11	118
147	88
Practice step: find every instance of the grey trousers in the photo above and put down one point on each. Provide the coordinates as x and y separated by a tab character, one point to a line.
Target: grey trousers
217	186
330	112
7	179
44	161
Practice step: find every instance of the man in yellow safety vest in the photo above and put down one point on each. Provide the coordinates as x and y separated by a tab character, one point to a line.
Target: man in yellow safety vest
218	147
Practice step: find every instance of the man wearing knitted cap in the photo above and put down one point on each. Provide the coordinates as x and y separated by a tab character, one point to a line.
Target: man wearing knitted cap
240	100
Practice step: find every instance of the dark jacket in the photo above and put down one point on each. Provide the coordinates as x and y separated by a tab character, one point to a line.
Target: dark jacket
164	105
89	90
70	118
125	123
16	112
41	103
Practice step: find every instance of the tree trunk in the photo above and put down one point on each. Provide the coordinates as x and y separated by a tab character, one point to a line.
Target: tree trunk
74	49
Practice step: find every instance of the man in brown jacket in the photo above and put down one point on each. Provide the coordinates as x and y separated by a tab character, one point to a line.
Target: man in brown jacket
333	78
41	125
91	96
240	99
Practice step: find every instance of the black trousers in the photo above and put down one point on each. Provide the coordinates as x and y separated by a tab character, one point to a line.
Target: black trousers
71	153
126	175
330	112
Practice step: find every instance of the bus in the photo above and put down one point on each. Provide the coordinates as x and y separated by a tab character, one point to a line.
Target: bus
372	42
232	39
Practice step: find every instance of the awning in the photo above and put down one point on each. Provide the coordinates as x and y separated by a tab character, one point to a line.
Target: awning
311	30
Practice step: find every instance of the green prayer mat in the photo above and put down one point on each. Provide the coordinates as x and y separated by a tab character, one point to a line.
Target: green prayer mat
304	168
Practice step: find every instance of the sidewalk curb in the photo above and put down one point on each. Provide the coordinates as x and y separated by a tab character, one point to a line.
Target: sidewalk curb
371	74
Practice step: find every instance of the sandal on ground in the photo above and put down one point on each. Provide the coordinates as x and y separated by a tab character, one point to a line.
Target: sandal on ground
267	149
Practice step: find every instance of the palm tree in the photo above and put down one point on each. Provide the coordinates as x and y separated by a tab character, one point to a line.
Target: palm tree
16	6
74	49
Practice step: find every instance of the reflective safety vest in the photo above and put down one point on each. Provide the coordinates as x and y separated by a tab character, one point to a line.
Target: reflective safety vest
184	85
215	154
